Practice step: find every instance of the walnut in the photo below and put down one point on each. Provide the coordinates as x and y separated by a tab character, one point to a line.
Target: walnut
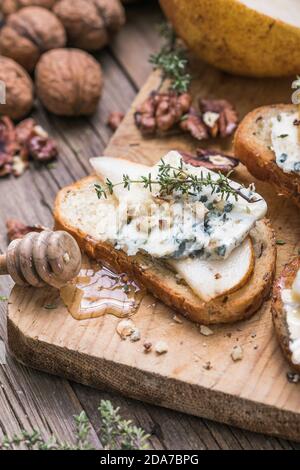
19	89
89	24
19	144
160	112
69	82
219	116
193	123
35	142
24	131
42	149
216	118
211	159
147	347
11	6
30	32
8	145
17	229
114	120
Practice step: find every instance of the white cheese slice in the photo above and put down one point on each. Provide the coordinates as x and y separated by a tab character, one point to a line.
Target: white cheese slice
285	142
114	169
207	278
215	235
210	279
257	209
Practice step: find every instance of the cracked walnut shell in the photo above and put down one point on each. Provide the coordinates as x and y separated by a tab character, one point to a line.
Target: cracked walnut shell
90	30
19	89
29	33
11	6
69	82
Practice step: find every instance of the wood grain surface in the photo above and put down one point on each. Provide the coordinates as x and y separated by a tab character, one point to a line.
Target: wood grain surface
252	393
32	399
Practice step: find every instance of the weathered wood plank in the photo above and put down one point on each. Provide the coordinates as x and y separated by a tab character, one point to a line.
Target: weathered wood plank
31	399
267	404
74	164
137	41
78	140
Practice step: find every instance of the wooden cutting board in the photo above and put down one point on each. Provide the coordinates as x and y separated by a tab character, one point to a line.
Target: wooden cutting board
253	393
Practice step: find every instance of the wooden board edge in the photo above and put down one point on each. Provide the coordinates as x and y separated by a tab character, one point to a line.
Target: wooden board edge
151	388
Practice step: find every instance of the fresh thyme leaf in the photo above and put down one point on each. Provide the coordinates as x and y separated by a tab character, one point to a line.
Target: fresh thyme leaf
126	288
51	166
283	136
100	191
171	180
280	242
172	61
50	307
3	298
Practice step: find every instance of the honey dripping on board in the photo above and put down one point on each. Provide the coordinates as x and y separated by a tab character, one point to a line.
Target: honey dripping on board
98	291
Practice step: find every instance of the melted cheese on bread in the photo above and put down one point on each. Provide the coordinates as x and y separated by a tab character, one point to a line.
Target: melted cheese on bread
203	238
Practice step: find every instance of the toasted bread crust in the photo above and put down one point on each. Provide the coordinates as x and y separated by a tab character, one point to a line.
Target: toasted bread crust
162	282
251	148
285	281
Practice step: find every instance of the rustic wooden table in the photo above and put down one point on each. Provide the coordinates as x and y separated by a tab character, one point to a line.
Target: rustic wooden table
29	399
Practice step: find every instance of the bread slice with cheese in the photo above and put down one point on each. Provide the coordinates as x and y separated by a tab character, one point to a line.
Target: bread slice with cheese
253	146
286	313
205	290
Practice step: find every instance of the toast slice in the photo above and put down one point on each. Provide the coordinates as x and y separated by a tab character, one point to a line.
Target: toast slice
252	146
285	281
74	213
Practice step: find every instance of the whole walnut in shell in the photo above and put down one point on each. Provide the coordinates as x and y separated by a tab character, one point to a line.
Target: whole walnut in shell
11	6
19	89
30	32
89	24
69	82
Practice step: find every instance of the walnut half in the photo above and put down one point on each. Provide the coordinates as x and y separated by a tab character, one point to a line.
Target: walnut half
211	159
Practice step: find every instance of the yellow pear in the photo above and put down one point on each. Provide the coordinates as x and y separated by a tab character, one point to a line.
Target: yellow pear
245	37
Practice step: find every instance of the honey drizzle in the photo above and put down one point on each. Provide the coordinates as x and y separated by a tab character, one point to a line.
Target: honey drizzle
98	291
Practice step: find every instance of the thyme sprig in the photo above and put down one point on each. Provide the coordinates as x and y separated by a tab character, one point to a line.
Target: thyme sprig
173	180
172	61
115	433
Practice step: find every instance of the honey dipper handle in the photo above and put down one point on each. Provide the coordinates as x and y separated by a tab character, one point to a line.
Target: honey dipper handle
3	266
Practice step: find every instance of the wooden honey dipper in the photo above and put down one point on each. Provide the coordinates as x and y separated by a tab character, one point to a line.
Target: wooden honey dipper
40	259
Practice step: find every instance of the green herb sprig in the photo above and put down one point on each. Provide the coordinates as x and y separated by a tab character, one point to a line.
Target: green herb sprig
115	433
172	61
172	180
119	433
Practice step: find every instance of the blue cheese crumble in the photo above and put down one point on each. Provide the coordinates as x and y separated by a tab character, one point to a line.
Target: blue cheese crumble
285	137
203	225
